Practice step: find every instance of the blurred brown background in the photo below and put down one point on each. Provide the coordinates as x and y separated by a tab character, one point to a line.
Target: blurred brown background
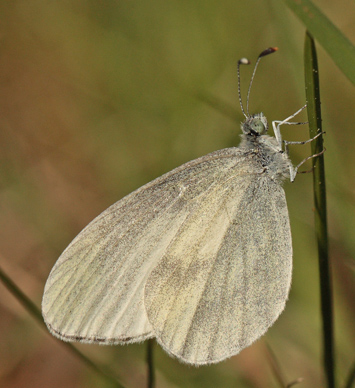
100	97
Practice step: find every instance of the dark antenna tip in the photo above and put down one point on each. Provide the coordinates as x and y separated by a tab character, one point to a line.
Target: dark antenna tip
268	51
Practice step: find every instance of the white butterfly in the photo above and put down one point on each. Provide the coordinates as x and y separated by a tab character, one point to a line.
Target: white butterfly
200	258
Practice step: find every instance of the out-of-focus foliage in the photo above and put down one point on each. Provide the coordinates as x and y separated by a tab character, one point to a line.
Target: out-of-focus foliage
100	97
335	43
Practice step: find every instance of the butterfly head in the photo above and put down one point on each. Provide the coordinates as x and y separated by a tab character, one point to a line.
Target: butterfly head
255	125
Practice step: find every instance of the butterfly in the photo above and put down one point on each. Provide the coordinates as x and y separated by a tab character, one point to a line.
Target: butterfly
200	258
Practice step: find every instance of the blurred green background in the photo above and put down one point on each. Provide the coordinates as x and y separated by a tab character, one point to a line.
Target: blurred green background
100	97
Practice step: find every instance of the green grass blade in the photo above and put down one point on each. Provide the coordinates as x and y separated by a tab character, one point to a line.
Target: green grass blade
334	42
315	126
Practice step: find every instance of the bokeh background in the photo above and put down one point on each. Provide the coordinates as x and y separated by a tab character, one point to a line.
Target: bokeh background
98	98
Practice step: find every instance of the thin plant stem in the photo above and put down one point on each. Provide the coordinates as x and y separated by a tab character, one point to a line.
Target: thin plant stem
275	366
320	213
150	364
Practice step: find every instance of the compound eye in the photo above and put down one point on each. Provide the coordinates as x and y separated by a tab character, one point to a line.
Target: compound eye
258	126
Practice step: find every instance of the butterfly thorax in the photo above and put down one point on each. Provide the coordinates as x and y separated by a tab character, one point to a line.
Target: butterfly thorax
264	150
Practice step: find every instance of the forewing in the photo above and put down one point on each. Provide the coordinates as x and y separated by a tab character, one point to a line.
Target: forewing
225	278
95	291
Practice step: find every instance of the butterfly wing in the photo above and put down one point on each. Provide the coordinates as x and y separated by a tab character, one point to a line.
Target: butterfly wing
225	278
95	290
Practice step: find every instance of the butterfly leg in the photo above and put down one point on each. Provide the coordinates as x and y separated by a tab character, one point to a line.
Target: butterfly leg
294	170
276	125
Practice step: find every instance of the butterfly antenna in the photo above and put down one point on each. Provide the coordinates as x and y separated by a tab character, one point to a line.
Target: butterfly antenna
268	51
242	61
